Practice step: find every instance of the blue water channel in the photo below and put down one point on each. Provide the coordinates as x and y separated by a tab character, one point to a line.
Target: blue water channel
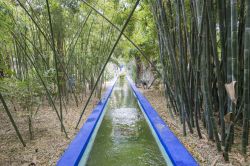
124	137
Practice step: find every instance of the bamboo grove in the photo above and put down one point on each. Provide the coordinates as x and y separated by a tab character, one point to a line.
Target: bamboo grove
203	59
42	55
46	44
204	50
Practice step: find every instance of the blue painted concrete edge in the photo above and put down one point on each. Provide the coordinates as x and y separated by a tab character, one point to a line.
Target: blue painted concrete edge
75	150
176	151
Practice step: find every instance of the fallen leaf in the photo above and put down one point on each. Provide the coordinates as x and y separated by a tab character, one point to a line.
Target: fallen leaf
230	88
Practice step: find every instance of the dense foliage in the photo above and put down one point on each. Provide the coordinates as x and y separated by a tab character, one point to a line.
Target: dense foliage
52	50
204	50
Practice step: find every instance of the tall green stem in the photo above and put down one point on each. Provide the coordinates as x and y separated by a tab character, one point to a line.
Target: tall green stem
109	56
11	119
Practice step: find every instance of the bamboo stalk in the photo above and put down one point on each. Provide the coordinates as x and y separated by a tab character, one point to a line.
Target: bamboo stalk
109	56
246	84
140	51
42	81
56	64
48	42
12	120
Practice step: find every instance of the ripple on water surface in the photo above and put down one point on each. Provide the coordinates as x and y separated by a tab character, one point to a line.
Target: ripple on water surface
124	137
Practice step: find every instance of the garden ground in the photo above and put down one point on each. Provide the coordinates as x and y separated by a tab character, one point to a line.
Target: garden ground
49	142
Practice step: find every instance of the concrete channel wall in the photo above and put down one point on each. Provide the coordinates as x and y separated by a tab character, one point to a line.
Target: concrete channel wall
176	152
75	150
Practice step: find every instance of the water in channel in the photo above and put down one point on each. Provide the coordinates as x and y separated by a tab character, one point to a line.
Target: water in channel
124	137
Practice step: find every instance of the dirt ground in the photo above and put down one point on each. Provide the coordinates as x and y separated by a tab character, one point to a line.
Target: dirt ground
49	142
203	150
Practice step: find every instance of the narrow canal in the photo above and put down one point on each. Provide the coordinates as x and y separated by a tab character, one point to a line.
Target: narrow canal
124	137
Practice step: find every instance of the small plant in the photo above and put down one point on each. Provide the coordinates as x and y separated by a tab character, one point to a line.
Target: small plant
23	94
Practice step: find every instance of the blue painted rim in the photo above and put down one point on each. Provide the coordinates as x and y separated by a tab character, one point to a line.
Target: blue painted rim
77	147
176	151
